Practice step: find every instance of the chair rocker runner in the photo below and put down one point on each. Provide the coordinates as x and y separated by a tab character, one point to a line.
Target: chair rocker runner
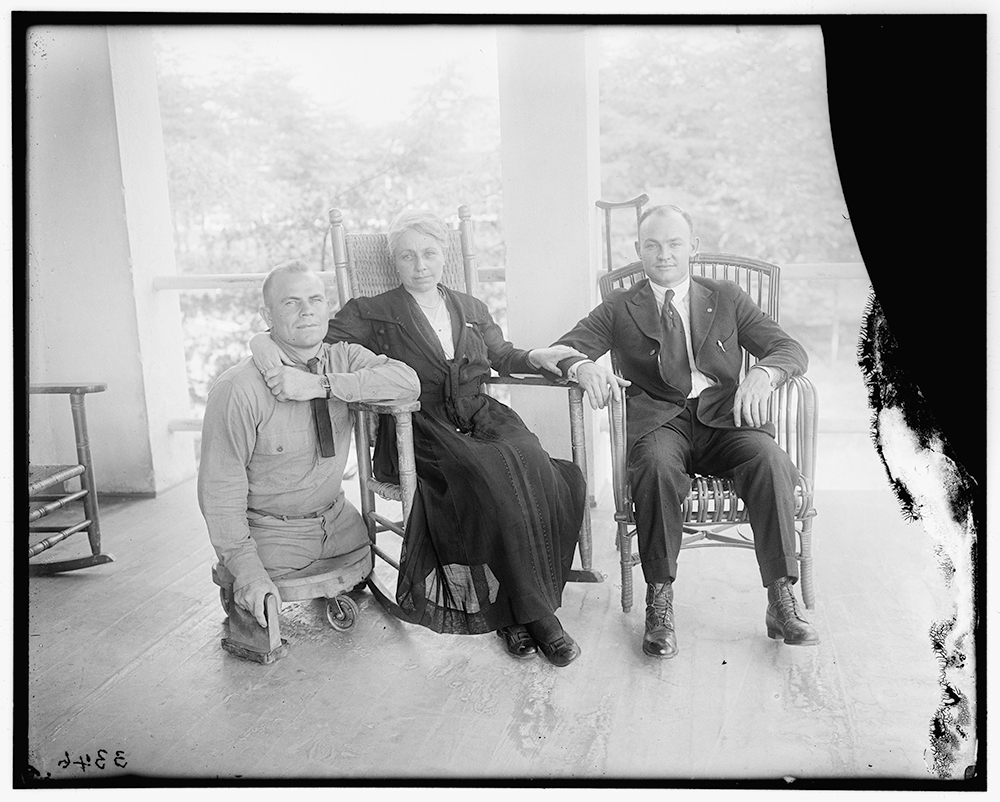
712	507
44	497
365	268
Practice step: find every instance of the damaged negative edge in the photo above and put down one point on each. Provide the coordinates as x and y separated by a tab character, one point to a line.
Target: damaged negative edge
932	487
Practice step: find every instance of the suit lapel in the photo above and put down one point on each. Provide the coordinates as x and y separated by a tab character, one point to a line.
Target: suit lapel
703	302
642	306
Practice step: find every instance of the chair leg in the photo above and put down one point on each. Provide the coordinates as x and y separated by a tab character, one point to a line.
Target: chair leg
625	552
579	445
364	472
407	463
87	481
806	564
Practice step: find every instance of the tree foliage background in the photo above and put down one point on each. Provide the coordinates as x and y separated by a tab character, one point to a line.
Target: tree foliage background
730	123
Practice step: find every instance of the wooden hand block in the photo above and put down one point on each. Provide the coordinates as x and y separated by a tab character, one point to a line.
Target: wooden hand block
249	639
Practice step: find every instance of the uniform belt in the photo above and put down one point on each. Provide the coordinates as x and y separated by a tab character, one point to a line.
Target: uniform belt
316	514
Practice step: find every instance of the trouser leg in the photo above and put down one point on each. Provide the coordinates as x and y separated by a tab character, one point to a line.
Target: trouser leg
659	479
344	529
286	546
764	477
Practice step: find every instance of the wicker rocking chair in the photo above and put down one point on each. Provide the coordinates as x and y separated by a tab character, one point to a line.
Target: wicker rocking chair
365	268
713	514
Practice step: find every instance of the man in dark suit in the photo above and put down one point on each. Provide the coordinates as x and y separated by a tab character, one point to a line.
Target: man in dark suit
678	340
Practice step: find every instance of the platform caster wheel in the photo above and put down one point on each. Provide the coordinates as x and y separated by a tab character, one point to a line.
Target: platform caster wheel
341	612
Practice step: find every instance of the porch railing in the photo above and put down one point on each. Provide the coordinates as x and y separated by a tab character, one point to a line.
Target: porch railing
813	272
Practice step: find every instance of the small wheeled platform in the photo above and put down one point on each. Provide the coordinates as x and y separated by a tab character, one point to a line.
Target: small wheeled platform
329	579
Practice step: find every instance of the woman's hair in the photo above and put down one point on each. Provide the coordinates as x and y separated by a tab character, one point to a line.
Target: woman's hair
423	222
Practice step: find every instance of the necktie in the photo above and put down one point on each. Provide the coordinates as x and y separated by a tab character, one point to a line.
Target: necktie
321	415
674	366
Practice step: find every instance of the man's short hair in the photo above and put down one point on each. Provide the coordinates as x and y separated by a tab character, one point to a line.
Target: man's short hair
291	266
426	223
662	211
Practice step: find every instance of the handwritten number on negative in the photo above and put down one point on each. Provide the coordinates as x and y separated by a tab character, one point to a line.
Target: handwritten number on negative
84	761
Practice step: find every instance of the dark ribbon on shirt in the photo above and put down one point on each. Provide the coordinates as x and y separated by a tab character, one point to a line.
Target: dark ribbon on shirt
454	388
321	415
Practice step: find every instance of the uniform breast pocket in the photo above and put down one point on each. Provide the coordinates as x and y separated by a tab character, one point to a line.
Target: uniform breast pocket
281	459
285	442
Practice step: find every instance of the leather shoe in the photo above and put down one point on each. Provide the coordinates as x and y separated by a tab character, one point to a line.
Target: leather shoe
783	619
659	639
560	652
519	643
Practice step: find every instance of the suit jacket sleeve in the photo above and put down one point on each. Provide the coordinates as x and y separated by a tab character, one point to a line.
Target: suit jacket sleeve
593	335
766	340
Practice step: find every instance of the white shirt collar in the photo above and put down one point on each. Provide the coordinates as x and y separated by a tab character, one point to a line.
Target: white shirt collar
680	291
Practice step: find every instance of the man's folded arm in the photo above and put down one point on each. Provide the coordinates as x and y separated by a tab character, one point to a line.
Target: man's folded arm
367	376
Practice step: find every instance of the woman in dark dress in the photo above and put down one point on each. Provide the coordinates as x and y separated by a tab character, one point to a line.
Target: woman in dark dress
495	521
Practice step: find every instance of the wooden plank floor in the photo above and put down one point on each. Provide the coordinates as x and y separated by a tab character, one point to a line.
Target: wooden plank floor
126	658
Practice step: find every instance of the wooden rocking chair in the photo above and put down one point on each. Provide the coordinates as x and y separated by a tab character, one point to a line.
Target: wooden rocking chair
365	268
712	507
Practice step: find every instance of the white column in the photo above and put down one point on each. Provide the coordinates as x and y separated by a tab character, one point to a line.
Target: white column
550	150
99	229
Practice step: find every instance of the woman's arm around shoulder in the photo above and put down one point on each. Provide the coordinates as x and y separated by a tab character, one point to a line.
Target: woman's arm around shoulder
350	325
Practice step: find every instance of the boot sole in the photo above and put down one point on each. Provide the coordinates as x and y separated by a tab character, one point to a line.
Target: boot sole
777	635
657	654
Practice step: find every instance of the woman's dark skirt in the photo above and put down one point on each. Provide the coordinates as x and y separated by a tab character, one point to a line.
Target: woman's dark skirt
494	524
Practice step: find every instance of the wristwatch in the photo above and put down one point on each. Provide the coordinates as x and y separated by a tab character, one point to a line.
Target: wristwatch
324	382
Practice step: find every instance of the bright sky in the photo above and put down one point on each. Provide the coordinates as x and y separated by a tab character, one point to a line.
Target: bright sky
369	72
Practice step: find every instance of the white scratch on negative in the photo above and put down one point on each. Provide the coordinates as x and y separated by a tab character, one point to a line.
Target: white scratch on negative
928	475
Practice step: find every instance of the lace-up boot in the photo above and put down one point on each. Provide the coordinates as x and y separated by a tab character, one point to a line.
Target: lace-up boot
783	617
659	639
